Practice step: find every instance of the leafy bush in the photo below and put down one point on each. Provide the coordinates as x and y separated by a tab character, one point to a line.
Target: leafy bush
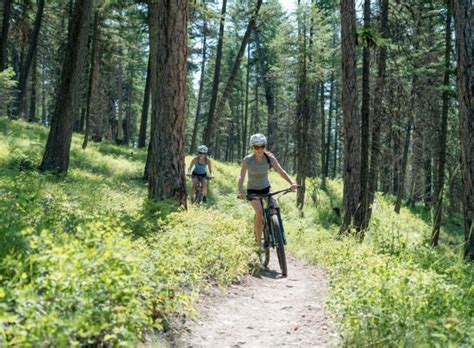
393	289
87	260
7	85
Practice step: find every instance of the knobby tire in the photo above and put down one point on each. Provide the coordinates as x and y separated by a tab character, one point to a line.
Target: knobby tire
279	244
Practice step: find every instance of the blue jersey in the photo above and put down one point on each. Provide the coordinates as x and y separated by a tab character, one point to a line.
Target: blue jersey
200	169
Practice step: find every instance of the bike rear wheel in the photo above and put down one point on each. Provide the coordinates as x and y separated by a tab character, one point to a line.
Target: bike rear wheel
198	196
280	245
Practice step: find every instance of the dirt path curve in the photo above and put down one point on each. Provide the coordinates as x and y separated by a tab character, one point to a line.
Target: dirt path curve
266	310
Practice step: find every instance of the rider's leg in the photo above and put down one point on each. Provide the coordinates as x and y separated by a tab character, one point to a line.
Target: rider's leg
204	186
258	220
195	182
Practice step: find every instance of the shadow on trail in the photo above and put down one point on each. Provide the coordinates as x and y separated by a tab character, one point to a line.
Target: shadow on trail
265	272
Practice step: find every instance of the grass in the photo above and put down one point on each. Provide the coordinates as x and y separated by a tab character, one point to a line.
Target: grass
87	260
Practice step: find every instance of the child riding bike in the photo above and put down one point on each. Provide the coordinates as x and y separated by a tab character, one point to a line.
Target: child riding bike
199	173
258	164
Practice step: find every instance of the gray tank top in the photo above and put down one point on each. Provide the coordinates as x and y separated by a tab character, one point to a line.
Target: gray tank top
258	172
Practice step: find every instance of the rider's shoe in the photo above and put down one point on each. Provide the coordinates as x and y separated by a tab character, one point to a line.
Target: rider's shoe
204	199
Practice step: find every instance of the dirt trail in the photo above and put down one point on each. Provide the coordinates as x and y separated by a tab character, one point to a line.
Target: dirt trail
266	310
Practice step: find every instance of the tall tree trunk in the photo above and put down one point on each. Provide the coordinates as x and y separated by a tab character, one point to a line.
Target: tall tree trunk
34	85
119	136
324	141
209	131
56	155
376	151
44	120
166	171
336	141
153	30
230	82
438	192
91	79
19	108
4	36
365	130
302	121
246	112
351	172
330	117
464	19
129	113
272	129
145	107
401	184
193	146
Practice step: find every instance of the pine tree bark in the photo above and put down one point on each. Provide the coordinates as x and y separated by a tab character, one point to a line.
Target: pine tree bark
145	108
246	110
365	126
129	113
119	136
330	117
272	124
34	85
91	79
153	30
464	26
351	171
4	36
193	146
401	184
438	192
324	141
303	117
56	155
19	109
376	151
166	168
209	131
44	116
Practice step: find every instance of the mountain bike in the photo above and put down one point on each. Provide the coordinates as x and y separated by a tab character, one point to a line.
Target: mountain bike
197	199
273	231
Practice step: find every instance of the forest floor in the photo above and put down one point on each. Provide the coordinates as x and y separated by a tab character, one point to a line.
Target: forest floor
265	309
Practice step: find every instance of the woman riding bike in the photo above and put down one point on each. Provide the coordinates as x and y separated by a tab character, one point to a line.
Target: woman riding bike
199	173
258	164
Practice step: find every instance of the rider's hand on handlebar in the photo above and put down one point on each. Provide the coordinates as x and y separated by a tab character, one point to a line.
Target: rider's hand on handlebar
294	186
241	196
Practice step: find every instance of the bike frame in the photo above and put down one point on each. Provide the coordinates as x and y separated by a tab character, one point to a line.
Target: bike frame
269	209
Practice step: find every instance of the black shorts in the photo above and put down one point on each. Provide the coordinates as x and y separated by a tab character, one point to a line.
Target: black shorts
273	202
259	192
200	177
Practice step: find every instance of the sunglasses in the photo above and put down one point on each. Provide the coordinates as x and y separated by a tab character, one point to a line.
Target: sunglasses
202	153
256	147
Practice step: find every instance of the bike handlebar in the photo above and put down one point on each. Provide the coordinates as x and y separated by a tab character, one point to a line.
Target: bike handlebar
270	194
207	177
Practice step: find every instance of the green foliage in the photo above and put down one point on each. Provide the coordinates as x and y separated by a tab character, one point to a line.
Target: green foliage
7	84
87	260
393	289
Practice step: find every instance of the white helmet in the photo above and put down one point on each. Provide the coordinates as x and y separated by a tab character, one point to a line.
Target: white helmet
258	139
202	149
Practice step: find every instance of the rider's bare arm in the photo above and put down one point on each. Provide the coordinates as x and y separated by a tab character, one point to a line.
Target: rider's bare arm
193	163
210	167
282	172
243	172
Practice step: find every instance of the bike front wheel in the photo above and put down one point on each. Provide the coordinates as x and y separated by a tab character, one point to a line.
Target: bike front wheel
280	245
